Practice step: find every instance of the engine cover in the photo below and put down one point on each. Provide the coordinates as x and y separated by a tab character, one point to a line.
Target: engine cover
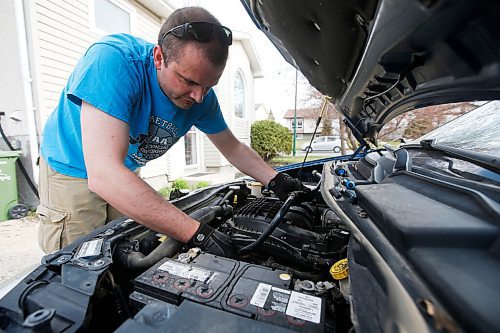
290	240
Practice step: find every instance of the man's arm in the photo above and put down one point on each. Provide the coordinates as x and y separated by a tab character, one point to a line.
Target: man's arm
242	156
105	145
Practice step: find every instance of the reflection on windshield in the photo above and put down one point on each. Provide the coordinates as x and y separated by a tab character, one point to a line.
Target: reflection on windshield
478	130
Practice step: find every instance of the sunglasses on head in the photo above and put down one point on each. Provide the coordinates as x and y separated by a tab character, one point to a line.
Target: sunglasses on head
202	32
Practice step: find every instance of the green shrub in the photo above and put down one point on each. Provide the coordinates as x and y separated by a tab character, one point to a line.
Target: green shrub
180	184
201	184
270	139
165	191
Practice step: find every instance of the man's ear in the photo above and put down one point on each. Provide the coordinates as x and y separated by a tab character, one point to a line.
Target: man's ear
157	56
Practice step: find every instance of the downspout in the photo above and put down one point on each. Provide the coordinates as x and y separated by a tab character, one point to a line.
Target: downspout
27	84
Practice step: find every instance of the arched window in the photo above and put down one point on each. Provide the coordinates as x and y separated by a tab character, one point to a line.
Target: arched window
239	94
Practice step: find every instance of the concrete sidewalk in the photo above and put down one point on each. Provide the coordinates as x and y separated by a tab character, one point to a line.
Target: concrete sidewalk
19	249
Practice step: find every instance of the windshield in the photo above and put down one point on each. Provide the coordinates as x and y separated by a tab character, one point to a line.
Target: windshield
476	130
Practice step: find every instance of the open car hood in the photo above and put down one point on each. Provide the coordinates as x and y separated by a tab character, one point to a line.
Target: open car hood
378	59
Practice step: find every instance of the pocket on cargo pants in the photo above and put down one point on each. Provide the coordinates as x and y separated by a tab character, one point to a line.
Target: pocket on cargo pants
50	228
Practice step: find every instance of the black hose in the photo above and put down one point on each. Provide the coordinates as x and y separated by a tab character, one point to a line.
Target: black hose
274	223
224	198
20	164
136	260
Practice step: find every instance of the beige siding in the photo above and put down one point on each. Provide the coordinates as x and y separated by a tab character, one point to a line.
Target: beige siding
62	36
148	25
63	33
238	61
223	90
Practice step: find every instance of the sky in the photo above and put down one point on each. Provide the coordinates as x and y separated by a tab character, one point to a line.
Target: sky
277	89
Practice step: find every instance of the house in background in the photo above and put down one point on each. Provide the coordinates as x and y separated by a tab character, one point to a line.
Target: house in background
42	41
306	122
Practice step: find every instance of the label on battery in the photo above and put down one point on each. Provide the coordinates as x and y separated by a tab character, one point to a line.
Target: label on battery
90	249
187	271
277	299
305	307
260	295
292	303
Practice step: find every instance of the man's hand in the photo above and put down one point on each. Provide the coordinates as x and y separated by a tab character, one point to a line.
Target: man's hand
283	184
212	241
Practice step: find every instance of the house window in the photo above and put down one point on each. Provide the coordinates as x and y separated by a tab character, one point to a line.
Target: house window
110	16
300	123
190	147
239	95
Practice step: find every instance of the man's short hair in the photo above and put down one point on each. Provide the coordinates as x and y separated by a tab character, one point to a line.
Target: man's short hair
172	46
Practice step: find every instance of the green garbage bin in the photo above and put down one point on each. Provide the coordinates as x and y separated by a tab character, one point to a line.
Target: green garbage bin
8	183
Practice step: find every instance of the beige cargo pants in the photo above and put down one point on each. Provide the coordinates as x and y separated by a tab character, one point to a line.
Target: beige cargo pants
68	209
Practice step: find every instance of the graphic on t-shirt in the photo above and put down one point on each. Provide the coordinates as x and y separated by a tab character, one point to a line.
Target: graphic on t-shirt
156	143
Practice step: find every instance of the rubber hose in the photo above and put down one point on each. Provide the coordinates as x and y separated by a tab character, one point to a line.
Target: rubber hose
224	198
136	260
274	223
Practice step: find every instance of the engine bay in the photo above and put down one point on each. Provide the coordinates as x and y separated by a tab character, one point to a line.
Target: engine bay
337	258
280	276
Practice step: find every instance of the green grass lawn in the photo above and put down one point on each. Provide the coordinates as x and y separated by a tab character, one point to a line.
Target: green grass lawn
285	160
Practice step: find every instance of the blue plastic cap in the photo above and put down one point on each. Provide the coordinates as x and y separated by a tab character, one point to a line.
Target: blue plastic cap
340	172
349	184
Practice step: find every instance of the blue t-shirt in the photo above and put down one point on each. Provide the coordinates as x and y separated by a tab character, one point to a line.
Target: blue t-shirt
117	76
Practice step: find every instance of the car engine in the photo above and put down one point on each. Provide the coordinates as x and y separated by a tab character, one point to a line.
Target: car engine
125	277
279	277
345	255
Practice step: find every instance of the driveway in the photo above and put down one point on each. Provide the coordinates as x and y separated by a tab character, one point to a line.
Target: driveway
19	249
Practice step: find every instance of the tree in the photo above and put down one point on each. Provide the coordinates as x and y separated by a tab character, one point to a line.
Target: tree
347	140
416	123
343	139
327	125
270	138
314	97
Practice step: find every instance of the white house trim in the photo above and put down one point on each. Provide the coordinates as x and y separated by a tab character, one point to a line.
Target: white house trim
160	8
27	84
249	47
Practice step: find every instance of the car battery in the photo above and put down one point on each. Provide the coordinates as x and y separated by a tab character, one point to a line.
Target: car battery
266	295
203	280
241	288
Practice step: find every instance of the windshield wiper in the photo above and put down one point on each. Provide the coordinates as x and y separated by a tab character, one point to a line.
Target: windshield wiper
486	161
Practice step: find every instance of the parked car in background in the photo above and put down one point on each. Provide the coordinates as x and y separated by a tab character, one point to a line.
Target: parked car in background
328	143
